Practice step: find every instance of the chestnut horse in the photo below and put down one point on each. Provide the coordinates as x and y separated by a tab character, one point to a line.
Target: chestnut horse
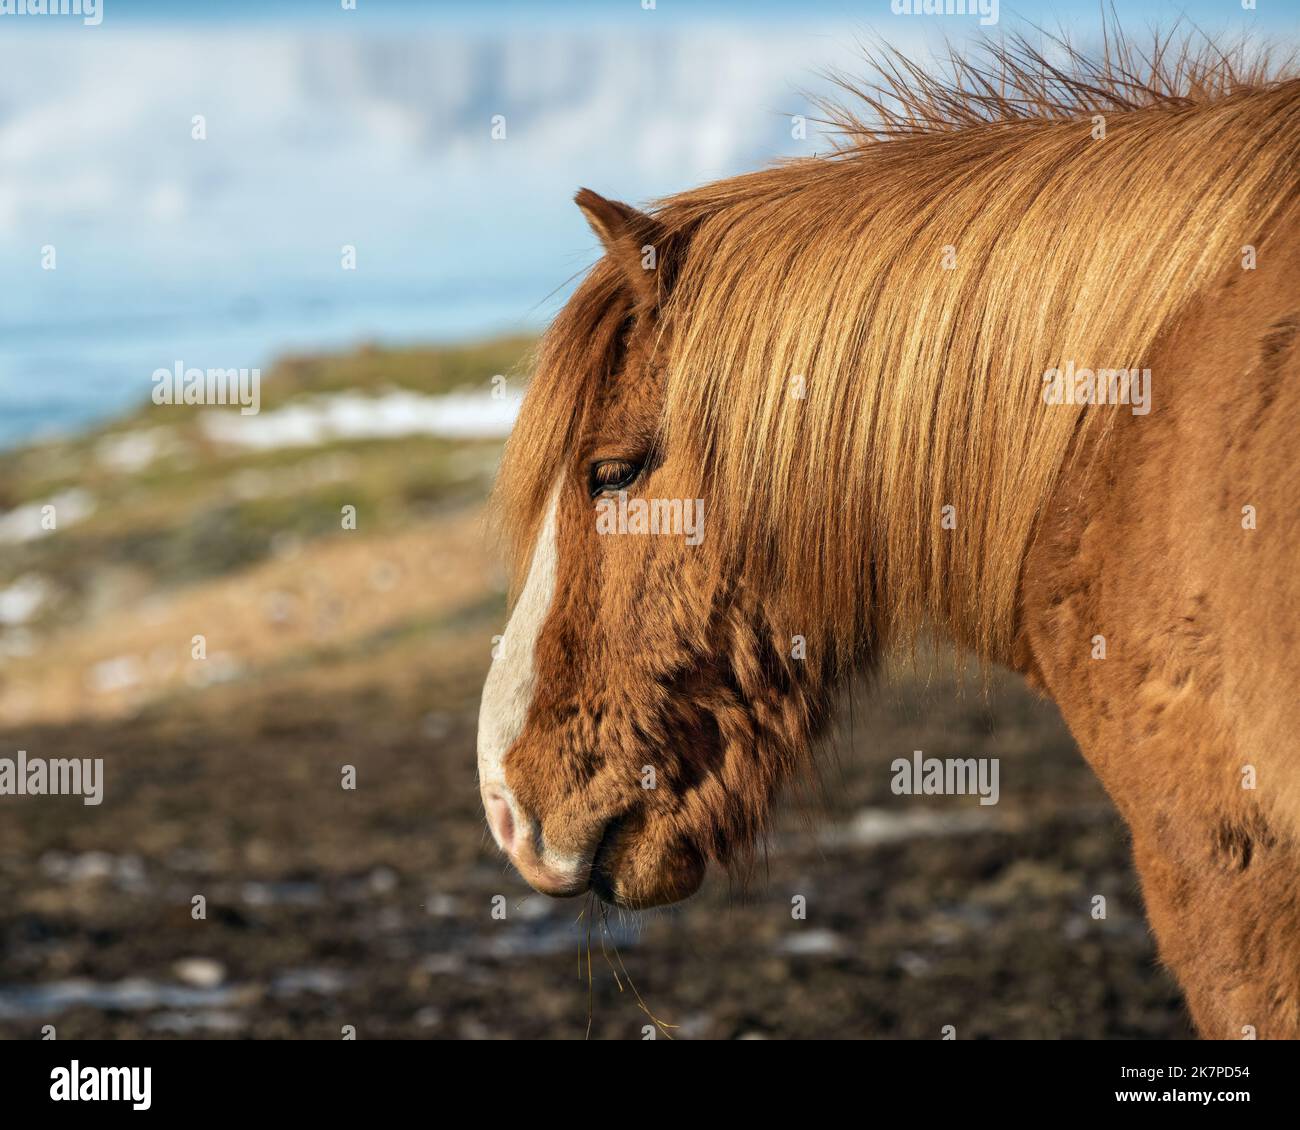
1016	368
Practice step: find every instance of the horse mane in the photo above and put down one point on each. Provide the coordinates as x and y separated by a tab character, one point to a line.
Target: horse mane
922	386
1015	80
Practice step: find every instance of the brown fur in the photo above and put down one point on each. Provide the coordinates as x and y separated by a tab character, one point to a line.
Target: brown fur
1147	548
924	391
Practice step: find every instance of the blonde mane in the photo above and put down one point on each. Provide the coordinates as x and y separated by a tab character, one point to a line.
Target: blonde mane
914	287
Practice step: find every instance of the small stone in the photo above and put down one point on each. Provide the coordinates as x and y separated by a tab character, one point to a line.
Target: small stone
201	972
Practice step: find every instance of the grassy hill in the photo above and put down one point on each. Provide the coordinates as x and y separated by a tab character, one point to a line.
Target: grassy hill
152	503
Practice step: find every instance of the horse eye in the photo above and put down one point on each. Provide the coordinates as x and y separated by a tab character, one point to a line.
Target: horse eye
612	474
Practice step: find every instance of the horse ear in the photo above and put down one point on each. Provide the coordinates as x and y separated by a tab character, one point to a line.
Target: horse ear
631	239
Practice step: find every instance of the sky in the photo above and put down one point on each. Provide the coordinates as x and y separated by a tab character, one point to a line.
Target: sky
372	128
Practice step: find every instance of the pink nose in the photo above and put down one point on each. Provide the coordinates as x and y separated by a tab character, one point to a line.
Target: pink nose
516	836
501	820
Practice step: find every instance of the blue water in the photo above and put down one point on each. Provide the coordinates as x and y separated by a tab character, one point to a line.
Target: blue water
65	371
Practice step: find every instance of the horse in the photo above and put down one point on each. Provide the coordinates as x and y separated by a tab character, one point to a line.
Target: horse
1013	366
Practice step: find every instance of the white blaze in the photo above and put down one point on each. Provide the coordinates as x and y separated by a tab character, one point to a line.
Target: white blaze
508	692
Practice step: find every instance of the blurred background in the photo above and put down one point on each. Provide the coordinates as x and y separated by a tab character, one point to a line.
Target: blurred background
182	183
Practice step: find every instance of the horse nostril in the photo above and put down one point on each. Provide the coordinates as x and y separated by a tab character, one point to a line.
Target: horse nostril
501	820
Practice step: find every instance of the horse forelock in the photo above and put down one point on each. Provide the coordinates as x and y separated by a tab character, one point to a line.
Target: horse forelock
575	356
